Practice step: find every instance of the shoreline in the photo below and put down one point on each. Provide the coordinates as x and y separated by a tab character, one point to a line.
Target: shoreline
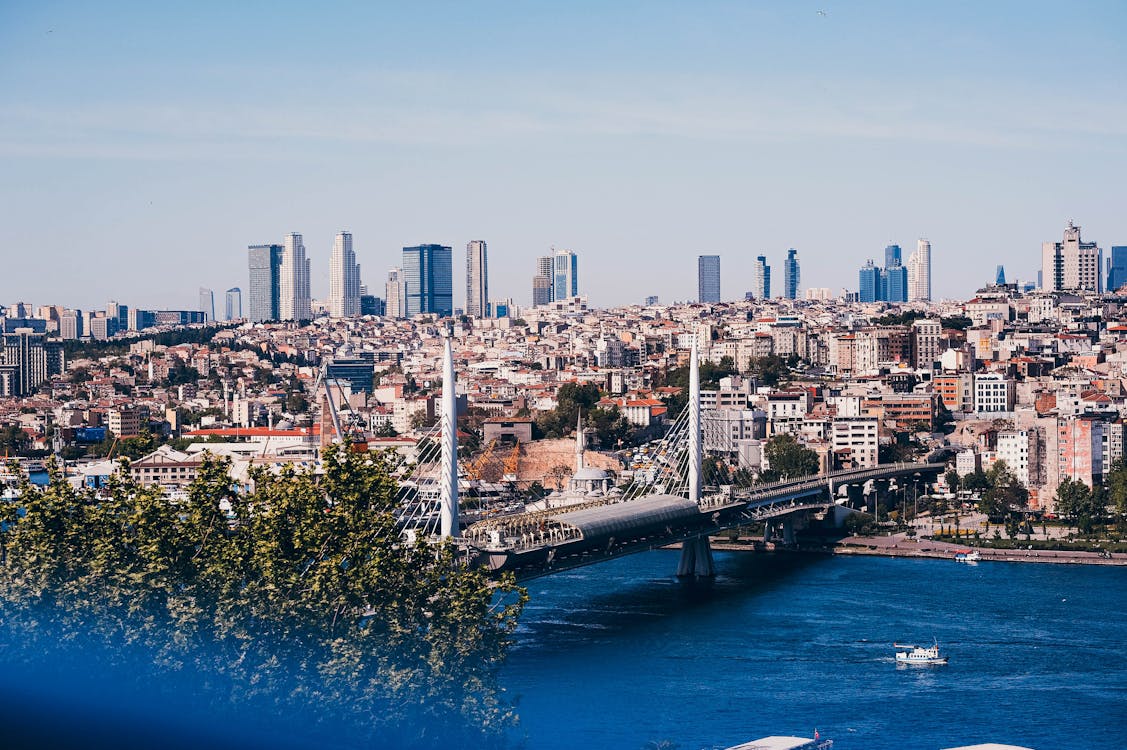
901	547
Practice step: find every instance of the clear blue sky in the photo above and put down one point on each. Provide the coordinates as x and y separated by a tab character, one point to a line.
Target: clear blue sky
143	147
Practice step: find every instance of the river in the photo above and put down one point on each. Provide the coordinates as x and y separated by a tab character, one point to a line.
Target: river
621	654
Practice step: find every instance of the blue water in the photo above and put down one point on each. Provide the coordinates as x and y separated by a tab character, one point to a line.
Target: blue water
621	654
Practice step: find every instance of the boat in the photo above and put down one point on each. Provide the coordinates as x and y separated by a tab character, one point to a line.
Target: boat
786	743
920	655
967	556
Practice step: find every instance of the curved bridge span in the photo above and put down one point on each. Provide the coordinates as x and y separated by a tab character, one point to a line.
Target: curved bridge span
548	541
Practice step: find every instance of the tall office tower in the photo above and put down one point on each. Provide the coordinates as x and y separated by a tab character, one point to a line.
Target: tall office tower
919	273
1071	265
264	289
544	268
1000	276
477	280
708	278
428	271
294	302
541	290
207	304
894	284
565	275
762	278
344	279
119	317
395	294
70	325
234	303
791	275
869	283
892	256
26	360
1117	268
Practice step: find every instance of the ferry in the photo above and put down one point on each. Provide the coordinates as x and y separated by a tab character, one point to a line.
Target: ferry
967	556
920	655
786	743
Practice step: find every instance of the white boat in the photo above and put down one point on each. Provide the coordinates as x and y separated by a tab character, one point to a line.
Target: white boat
921	655
967	556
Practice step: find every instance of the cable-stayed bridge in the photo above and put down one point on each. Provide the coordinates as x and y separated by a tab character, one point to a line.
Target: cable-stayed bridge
666	503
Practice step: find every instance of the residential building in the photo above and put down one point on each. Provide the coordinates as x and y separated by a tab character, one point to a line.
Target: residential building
264	289
234	303
294	302
428	272
1019	449
854	442
207	307
762	289
344	278
477	280
993	394
395	294
919	273
124	421
926	335
28	359
1071	265
791	275
708	278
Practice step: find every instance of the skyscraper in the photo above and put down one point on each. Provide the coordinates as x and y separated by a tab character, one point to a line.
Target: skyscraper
1117	268
894	281
565	275
234	303
708	278
762	278
207	305
869	283
428	272
1000	276
791	275
892	256
919	273
477	280
344	279
541	290
293	285
264	289
395	294
1071	265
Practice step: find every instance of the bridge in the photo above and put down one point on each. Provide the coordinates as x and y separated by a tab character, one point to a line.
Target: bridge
648	515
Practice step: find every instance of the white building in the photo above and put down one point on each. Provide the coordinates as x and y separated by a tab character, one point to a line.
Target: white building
1071	265
919	273
993	394
1017	448
926	335
477	280
344	279
966	462
395	292
854	441
293	284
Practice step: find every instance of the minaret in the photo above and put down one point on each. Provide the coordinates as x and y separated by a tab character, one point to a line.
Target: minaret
580	442
448	511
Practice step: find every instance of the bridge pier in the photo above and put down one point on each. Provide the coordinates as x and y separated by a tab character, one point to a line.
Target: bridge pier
696	559
788	530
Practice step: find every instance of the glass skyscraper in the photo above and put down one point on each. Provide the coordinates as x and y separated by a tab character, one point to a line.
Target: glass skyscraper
428	273
892	256
708	278
265	263
762	278
1117	268
565	275
869	283
791	275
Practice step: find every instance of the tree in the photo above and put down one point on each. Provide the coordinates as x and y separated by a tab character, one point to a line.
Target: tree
976	481
1005	492
957	322
1072	497
952	478
1117	486
301	604
787	459
769	370
13	440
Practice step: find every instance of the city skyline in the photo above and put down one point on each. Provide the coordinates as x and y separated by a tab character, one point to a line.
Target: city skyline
955	145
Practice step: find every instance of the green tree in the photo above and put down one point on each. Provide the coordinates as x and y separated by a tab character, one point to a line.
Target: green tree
13	440
952	478
770	370
1005	493
1072	497
787	459
301	602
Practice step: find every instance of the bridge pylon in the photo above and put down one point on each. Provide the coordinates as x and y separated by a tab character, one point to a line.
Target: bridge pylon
696	554
448	503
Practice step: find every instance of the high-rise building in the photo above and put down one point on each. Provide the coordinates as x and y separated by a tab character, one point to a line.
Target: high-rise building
344	278
565	275
869	283
892	256
894	282
428	272
119	317
294	301
708	278
919	273
1117	268
234	299
541	290
27	359
395	294
477	280
791	275
207	304
762	288
1071	265
264	289
70	325
1000	276
371	305
544	268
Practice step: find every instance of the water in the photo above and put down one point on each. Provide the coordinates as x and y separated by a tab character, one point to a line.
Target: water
621	654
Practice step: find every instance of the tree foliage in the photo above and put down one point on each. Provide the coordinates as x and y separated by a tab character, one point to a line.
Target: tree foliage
787	459
1004	493
301	603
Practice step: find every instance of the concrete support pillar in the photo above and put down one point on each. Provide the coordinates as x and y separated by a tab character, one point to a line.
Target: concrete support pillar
448	511
696	559
788	530
769	532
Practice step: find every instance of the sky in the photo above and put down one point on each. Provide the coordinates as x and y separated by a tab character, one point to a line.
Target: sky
144	145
